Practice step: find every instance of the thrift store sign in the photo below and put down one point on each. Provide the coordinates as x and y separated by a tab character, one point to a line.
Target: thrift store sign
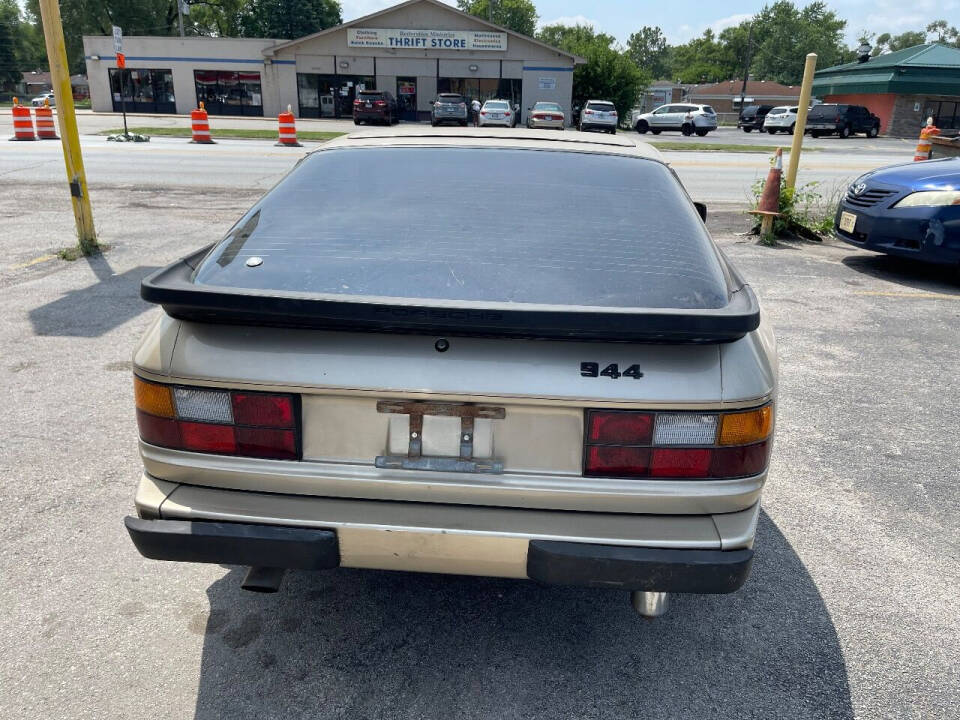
426	39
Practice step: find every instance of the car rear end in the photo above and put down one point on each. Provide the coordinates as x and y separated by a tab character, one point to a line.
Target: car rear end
704	119
488	435
372	106
546	116
496	113
599	115
826	119
780	118
449	108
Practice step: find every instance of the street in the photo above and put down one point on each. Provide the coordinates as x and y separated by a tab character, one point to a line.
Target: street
850	611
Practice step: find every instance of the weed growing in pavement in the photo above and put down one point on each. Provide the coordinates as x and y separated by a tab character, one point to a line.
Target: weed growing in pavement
805	212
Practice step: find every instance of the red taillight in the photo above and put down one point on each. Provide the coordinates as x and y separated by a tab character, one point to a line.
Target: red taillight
358	102
677	445
588	112
207	420
620	428
483	112
507	114
262	410
380	103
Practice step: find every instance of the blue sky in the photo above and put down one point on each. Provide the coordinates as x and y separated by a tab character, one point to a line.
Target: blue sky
684	19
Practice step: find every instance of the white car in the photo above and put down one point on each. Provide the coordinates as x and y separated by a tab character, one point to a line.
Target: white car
686	118
39	100
599	115
781	118
497	113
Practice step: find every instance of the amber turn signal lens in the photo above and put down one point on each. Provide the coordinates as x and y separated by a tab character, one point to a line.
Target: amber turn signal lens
152	398
746	427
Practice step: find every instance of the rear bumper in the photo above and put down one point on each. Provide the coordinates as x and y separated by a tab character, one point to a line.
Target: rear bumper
548	562
665	553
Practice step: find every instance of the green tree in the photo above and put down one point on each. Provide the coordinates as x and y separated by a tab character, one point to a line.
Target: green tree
649	50
886	42
219	18
608	73
784	34
942	31
289	18
518	15
704	59
21	44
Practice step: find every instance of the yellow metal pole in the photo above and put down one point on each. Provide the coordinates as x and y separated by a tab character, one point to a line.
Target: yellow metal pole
67	119
804	105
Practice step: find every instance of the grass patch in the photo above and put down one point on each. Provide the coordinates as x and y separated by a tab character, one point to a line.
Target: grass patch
250	134
717	147
75	253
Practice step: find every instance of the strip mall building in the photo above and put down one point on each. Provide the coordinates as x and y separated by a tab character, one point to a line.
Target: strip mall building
414	50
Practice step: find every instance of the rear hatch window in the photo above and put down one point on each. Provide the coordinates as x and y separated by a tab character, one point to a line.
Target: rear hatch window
601	106
582	242
450	99
572	229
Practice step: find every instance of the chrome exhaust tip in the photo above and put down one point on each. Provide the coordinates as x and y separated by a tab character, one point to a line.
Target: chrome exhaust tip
263	579
650	604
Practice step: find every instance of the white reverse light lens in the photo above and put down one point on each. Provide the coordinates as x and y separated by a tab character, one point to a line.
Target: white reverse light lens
931	198
207	405
685	429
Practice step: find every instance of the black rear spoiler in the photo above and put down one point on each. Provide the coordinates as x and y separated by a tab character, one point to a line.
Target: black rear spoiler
173	288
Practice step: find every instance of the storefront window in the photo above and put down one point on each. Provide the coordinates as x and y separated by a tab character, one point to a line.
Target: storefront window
483	89
330	95
143	89
946	114
227	92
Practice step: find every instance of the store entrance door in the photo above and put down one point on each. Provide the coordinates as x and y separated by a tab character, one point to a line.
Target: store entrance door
407	98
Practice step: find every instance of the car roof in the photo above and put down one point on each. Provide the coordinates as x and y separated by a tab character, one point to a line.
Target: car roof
495	137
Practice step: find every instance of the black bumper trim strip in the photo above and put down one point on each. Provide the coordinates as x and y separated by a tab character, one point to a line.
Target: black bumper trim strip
632	568
235	543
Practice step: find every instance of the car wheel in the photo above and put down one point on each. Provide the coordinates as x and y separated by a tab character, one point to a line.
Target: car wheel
873	132
356	121
844	131
814	133
772	131
701	132
746	129
655	132
791	129
613	132
642	127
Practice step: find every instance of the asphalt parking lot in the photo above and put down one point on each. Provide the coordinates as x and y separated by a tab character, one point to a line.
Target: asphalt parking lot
850	611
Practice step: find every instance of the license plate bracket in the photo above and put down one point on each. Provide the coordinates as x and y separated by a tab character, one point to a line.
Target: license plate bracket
415	459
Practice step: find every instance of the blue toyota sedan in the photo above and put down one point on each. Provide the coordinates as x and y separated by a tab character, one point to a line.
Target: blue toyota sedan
911	210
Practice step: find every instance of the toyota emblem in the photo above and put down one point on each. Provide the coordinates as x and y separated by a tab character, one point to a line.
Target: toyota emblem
858	188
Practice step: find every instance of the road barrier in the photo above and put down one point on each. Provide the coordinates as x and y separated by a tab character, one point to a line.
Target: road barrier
925	143
287	127
200	126
769	206
22	122
45	126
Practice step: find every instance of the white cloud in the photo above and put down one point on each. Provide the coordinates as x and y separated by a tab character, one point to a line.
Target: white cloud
722	24
685	33
570	20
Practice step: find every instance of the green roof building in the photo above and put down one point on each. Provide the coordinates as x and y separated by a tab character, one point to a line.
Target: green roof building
902	88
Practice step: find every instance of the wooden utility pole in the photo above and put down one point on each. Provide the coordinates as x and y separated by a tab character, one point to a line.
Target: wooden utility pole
804	105
746	67
67	119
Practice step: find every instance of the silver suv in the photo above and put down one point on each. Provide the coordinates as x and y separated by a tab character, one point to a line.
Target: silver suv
686	118
449	107
599	115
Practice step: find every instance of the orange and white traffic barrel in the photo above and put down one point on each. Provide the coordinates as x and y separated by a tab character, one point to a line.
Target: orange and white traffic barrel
925	143
22	122
45	127
200	126
287	127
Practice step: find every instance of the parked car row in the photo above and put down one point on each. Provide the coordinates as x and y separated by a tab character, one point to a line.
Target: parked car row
823	119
